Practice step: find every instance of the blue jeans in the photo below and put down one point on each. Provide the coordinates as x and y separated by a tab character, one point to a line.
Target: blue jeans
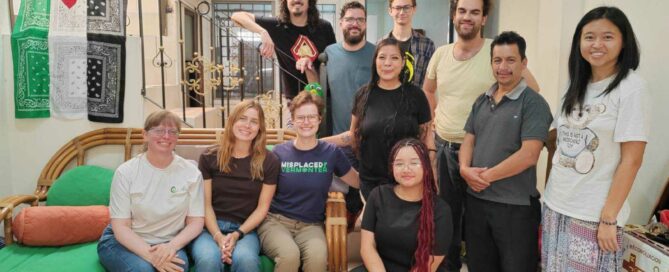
116	257
207	255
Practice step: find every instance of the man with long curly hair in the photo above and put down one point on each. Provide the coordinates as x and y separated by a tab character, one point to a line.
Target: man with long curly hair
298	35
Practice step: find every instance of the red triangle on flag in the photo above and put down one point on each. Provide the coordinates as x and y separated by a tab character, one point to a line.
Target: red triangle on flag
69	3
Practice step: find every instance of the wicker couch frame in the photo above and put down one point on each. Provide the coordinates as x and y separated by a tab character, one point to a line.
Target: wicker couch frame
77	150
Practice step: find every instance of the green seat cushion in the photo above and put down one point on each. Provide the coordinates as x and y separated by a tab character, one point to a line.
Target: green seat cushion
266	264
81	257
81	186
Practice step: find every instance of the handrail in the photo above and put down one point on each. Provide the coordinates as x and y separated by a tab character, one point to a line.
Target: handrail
12	17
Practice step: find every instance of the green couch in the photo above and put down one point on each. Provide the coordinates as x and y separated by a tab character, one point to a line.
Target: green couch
82	186
77	191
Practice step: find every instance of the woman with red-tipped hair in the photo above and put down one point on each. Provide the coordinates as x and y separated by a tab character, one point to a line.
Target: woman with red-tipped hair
405	226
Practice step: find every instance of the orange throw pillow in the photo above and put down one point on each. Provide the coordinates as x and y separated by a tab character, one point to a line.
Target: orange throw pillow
60	225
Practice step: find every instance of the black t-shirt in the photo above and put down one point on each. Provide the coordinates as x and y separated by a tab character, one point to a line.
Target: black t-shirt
387	121
394	223
404	45
235	195
291	42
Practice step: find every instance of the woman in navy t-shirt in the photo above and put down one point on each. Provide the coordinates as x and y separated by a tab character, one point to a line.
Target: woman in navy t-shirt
293	230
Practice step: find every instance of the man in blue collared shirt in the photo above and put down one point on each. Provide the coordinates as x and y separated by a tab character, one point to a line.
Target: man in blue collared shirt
505	133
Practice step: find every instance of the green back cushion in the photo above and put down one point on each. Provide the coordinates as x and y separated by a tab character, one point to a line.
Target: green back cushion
81	186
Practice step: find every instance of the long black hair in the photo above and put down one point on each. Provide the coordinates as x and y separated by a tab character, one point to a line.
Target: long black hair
426	225
580	71
391	130
313	15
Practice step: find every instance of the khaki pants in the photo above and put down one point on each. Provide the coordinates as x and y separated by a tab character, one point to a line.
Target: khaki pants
290	241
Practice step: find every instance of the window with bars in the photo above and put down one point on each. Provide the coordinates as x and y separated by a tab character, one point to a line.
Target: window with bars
329	13
237	48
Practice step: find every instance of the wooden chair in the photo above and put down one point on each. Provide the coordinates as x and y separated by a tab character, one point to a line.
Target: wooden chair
77	151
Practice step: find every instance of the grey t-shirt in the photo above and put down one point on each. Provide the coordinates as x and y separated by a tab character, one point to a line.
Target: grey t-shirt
499	129
347	72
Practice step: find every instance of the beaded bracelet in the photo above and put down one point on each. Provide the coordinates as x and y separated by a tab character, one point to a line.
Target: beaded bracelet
608	223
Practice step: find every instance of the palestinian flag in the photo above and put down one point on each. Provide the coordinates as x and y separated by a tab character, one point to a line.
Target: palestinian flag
69	59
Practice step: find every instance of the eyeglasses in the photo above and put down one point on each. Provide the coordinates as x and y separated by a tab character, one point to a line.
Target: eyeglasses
350	20
411	165
172	132
405	8
311	117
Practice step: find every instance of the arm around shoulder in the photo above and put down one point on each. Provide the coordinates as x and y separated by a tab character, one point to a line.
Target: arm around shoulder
345	138
530	80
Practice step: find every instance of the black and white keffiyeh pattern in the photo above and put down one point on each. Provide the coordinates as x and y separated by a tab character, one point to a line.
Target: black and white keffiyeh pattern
106	78
106	17
106	60
67	59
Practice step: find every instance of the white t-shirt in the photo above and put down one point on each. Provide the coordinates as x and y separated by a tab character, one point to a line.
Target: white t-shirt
157	200
588	147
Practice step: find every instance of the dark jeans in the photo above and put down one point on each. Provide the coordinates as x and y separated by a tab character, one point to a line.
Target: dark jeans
453	190
502	237
353	201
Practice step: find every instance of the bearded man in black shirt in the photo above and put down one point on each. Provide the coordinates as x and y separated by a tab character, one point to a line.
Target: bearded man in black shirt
298	35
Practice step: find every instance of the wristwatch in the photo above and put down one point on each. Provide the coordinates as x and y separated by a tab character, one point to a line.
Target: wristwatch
241	234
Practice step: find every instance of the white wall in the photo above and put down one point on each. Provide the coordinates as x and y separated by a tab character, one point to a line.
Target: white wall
548	28
6	187
433	16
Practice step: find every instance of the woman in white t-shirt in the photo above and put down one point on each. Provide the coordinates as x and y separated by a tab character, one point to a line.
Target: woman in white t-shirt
156	204
602	130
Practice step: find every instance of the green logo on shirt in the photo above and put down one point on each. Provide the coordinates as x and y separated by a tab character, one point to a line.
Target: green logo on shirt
304	167
173	189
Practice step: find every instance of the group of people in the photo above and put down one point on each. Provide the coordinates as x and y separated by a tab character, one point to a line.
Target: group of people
442	144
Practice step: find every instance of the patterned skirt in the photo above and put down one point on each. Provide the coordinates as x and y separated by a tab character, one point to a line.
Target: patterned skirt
570	244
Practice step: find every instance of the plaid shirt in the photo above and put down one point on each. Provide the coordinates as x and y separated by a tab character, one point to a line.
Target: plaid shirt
422	49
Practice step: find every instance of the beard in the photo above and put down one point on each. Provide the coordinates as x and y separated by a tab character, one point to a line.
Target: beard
468	35
297	13
354	39
300	11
